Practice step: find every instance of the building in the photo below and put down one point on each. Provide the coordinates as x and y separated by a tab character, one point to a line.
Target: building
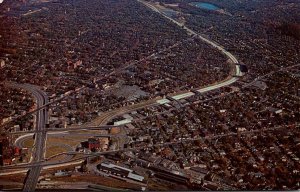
92	144
120	171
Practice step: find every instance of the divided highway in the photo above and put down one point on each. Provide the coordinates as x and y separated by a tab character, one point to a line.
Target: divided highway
41	118
42	114
38	153
213	44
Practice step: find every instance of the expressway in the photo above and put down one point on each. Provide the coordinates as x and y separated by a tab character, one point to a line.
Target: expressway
103	119
36	166
65	95
38	108
38	152
106	117
233	59
41	118
37	161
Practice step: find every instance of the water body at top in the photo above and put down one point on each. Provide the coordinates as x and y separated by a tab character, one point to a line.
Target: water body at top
207	6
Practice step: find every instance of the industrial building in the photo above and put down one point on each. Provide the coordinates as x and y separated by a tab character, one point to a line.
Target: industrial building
120	171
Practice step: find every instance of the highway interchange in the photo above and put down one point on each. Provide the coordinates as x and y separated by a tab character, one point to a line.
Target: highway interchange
40	133
38	150
48	164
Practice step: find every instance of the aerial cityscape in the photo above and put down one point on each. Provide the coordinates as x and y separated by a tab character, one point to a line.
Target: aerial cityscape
149	95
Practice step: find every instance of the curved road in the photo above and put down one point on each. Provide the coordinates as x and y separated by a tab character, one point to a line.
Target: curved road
41	118
106	117
58	164
40	136
20	142
213	44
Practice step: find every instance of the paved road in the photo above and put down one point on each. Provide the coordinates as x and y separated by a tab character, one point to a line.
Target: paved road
48	165
67	94
187	140
103	119
40	135
106	117
213	44
39	107
20	142
41	118
52	130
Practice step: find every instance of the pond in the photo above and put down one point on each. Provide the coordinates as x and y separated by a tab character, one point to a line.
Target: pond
207	6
